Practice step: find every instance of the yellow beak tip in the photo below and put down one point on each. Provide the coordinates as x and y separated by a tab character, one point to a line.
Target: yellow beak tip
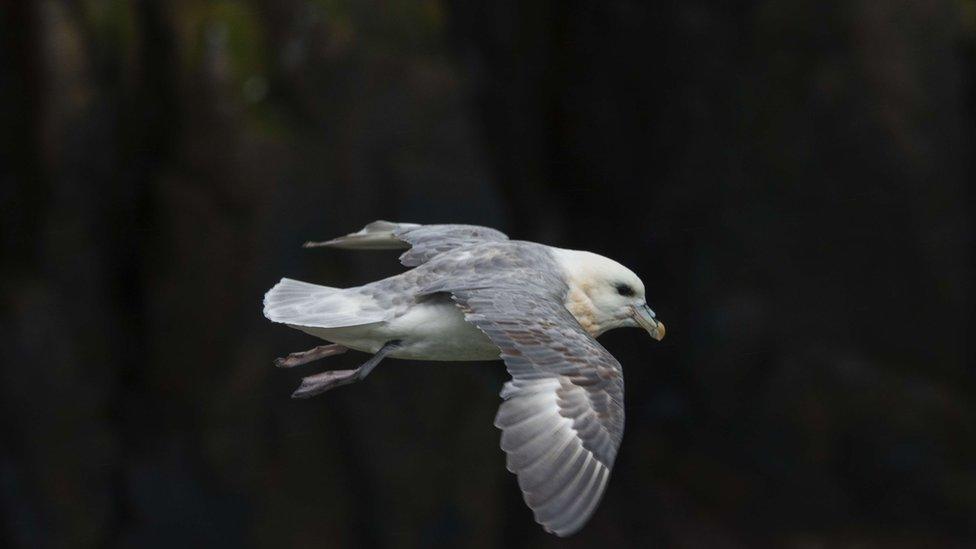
659	332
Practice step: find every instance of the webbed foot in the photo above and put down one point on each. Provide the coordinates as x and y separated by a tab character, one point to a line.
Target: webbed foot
320	383
304	357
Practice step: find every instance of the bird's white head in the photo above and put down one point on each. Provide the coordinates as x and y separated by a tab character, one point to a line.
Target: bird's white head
604	295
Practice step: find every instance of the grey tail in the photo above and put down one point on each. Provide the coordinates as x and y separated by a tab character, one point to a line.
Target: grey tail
299	303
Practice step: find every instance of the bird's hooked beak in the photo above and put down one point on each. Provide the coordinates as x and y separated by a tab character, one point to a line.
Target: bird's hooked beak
644	316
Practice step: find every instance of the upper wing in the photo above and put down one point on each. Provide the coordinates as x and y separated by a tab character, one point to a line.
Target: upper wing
563	414
424	241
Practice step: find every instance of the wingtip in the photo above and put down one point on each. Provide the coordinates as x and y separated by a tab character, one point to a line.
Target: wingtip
319	244
564	533
560	532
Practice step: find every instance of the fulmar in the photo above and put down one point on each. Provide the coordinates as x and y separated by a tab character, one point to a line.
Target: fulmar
474	294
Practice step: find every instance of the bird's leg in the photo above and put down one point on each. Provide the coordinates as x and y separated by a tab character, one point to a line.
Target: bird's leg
320	383
304	357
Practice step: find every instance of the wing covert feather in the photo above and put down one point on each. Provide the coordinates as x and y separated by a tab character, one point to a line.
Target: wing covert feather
562	418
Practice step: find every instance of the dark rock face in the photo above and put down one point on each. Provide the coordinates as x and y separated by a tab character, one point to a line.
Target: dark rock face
790	179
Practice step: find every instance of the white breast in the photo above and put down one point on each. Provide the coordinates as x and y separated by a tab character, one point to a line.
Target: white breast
431	330
436	330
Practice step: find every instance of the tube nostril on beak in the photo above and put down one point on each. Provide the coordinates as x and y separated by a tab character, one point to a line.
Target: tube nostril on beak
645	317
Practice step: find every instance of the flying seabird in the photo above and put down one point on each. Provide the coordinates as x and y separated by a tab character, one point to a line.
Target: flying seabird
473	294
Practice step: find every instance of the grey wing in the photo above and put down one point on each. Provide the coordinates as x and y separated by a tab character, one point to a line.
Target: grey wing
424	241
562	418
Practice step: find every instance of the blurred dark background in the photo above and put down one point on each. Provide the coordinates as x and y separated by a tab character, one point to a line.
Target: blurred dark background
791	180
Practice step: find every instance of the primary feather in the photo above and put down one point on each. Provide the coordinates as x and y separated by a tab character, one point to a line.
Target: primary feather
424	241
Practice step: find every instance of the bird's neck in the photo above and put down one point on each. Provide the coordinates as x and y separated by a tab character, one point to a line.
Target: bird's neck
576	267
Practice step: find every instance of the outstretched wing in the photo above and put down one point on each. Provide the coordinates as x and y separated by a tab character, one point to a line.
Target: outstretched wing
563	415
424	241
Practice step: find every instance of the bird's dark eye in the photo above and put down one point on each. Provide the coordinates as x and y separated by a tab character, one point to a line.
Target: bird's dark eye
624	289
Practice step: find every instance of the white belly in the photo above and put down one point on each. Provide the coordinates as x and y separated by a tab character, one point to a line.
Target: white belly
433	330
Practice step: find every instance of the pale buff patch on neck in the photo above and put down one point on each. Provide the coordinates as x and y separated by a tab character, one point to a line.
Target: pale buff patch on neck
579	304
